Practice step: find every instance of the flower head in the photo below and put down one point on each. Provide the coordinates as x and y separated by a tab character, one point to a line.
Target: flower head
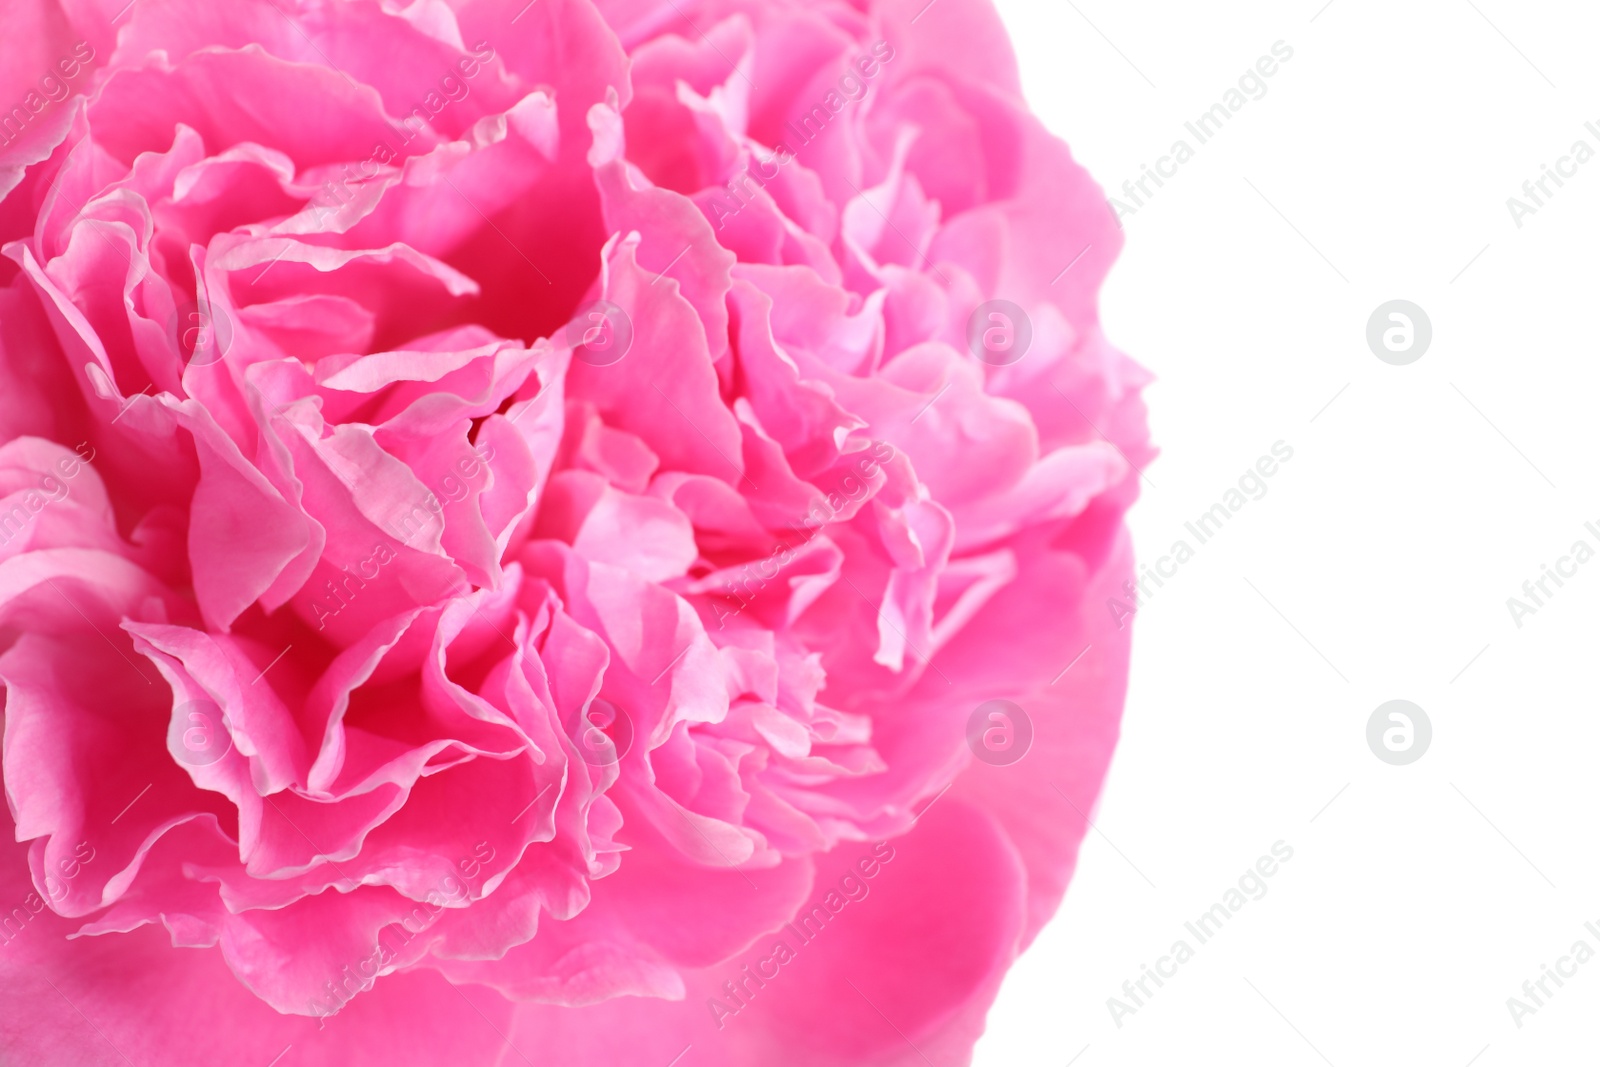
507	509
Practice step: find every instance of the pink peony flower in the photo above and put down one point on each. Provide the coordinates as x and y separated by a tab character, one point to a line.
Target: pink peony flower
569	532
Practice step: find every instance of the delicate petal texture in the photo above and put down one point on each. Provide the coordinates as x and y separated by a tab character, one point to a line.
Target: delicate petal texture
507	511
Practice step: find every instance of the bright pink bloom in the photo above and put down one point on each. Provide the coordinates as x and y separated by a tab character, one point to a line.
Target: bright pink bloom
506	512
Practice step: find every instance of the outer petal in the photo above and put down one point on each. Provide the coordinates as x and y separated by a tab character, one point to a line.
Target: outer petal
897	975
109	1001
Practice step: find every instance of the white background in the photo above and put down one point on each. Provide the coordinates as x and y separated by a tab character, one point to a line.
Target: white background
1382	557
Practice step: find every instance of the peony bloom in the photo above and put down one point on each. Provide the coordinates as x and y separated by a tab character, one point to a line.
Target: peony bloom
563	532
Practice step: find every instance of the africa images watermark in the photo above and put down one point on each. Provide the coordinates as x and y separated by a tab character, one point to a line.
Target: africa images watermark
1210	923
806	928
743	585
1580	554
53	88
1202	129
849	89
52	490
15	921
1531	1001
1208	525
1566	167
428	512
357	977
415	519
454	87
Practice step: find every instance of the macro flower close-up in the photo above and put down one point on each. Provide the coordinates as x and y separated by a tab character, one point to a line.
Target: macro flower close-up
558	532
